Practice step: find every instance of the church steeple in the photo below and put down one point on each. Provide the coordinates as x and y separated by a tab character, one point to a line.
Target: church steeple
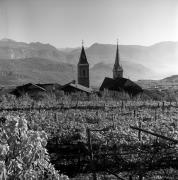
83	58
117	56
117	69
83	69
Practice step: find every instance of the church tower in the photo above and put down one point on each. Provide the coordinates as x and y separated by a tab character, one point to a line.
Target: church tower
117	69
83	69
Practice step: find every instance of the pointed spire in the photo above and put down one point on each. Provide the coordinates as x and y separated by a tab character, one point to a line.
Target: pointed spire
117	56
117	69
83	58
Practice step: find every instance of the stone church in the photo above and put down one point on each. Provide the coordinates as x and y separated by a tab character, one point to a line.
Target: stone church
117	83
83	68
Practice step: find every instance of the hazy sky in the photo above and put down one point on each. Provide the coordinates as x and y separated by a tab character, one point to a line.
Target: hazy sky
64	23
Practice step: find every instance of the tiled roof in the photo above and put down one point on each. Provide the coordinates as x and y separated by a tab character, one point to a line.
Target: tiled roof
78	87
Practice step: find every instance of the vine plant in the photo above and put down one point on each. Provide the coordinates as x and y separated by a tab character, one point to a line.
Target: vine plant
22	152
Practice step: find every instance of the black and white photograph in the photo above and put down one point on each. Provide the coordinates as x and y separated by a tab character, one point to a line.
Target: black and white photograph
88	89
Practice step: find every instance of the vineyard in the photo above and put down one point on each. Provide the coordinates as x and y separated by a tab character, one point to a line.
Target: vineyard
90	138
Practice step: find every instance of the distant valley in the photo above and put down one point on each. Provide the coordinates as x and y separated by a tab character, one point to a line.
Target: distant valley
21	63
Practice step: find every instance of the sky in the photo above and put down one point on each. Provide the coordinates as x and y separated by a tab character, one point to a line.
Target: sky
65	23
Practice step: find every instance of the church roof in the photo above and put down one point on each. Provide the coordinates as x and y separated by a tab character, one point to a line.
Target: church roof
71	87
121	84
83	58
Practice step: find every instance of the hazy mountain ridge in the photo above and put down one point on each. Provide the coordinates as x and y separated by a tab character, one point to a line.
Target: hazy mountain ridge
170	82
10	49
35	70
131	71
173	78
37	62
161	57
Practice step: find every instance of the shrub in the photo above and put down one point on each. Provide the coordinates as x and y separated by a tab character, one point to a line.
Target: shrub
22	152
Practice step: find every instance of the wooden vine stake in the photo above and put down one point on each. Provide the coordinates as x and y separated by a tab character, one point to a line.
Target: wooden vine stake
91	154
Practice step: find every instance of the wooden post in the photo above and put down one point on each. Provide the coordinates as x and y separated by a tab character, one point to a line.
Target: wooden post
56	117
163	106
122	106
113	124
79	165
140	139
158	104
155	114
91	154
139	132
104	167
134	113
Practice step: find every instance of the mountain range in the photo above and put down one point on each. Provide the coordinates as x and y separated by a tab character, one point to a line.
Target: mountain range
43	63
170	83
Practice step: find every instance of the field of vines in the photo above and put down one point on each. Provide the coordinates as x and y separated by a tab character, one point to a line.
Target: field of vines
90	138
